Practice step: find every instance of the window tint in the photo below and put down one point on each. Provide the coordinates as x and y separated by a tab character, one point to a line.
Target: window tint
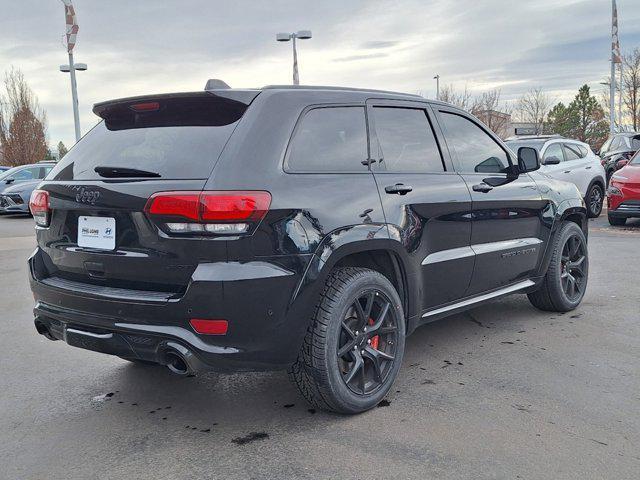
182	139
571	152
475	149
407	141
332	139
554	150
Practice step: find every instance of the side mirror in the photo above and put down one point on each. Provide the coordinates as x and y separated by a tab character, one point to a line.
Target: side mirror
528	160
9	180
552	160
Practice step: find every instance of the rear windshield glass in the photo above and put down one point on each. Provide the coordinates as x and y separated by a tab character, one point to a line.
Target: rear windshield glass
175	141
635	143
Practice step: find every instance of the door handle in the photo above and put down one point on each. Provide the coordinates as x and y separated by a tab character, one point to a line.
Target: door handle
587	168
567	171
398	188
482	187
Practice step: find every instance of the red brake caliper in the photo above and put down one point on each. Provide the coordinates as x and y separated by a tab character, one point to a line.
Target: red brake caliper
376	339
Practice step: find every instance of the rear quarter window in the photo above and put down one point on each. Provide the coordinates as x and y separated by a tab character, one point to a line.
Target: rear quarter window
329	139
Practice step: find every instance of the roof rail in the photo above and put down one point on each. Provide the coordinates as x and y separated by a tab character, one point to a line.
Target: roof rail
325	87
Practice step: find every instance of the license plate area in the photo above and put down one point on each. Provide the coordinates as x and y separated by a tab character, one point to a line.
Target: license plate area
97	232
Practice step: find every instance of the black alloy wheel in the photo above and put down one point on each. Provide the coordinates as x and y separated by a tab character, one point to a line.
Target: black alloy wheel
367	342
573	275
595	201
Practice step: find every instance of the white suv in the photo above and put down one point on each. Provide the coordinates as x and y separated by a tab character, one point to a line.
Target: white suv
571	161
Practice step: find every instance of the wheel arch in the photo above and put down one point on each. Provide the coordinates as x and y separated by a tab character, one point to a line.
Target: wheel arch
366	246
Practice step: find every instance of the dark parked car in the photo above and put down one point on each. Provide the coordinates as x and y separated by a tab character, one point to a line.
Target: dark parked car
308	228
618	150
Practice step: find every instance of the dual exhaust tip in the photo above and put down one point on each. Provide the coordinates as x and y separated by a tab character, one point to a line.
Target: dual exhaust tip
177	358
177	363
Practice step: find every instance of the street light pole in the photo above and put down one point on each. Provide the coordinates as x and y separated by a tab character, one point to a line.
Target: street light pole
74	97
437	79
285	37
71	68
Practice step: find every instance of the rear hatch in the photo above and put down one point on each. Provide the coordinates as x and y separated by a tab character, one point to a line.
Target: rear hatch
99	233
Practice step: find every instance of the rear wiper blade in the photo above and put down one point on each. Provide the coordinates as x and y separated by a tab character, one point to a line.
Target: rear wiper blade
118	172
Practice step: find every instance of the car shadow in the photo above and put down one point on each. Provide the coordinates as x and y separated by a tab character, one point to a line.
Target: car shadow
235	405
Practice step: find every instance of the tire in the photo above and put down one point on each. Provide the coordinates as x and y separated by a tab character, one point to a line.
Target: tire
616	221
552	296
326	379
594	200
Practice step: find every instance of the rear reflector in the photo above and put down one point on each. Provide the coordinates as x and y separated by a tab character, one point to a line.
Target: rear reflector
209	327
213	212
39	207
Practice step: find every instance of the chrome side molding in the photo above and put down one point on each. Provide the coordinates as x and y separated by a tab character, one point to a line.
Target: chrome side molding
479	249
481	298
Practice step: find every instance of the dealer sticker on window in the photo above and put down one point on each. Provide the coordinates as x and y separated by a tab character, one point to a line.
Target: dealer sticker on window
97	232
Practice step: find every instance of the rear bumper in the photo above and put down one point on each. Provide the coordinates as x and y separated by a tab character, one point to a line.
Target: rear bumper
254	297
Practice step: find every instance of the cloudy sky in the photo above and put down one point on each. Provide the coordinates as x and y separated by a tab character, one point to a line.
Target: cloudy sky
152	46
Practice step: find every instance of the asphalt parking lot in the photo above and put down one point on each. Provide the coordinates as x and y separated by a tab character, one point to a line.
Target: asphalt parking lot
501	392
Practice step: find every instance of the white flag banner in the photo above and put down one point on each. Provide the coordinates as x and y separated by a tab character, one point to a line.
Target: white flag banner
72	24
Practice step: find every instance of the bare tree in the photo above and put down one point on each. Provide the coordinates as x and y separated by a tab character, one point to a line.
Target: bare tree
22	122
631	87
533	108
495	114
460	99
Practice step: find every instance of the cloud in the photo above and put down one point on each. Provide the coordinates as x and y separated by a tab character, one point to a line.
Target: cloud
378	44
364	56
146	46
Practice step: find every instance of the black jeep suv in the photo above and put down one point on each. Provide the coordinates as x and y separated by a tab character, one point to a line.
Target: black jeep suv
307	228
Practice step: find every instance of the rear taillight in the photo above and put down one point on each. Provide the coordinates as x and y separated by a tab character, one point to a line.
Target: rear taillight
208	213
39	206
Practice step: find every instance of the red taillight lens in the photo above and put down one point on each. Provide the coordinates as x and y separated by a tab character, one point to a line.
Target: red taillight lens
234	206
218	213
209	327
175	204
39	207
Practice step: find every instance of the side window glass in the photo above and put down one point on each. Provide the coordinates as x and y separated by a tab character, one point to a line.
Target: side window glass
616	144
475	149
584	151
407	141
554	150
26	174
331	139
571	152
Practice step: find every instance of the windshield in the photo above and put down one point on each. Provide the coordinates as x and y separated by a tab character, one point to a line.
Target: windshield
635	143
635	160
8	173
